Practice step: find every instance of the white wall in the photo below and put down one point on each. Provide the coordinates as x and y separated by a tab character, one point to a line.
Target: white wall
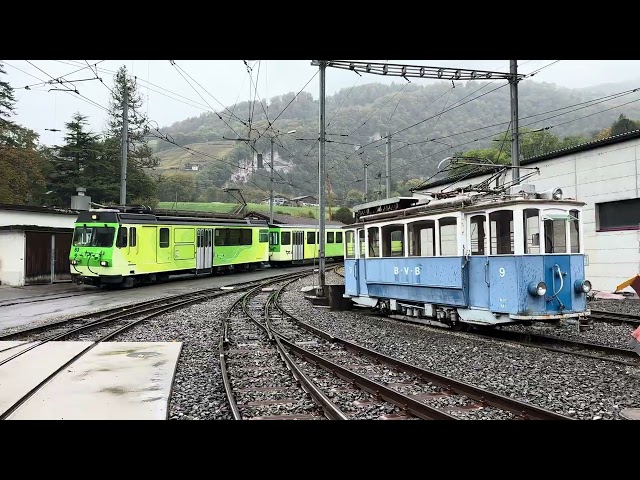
602	174
12	258
41	219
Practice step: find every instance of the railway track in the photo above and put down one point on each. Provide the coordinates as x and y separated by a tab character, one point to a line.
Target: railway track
353	378
108	325
615	318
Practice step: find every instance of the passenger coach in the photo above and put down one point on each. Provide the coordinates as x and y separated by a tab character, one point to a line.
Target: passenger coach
471	258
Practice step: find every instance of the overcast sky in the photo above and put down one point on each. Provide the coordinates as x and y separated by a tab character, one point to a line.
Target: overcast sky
227	82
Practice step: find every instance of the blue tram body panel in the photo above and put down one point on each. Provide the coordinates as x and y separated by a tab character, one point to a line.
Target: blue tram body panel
425	279
579	300
478	282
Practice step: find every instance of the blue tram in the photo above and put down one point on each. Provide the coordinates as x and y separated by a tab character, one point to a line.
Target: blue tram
470	259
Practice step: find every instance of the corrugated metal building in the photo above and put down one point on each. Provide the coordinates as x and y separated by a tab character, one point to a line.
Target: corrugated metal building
605	174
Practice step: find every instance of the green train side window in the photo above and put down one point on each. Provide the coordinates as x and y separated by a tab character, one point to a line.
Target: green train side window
164	238
311	238
263	236
338	237
330	237
286	238
132	237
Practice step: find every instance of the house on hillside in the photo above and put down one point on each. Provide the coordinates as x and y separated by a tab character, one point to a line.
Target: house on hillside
192	167
277	200
305	201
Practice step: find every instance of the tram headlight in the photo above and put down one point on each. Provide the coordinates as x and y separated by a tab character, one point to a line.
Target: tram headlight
556	194
582	286
537	289
104	263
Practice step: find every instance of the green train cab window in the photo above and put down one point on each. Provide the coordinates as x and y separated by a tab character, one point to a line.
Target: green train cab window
93	236
273	238
132	237
338	237
122	238
286	238
263	236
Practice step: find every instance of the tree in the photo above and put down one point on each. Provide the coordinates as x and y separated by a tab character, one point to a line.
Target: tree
68	166
354	197
622	125
139	153
21	163
344	215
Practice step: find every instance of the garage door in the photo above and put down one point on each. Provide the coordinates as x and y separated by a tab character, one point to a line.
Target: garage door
38	264
37	258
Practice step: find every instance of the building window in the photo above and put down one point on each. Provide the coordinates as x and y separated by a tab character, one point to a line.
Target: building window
620	215
286	238
164	238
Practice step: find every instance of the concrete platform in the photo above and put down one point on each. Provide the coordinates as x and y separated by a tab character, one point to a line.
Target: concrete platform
114	380
630	413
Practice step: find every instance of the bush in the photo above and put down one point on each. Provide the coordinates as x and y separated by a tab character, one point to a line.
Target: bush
344	215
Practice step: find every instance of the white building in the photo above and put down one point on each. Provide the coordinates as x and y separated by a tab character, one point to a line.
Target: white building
35	244
605	174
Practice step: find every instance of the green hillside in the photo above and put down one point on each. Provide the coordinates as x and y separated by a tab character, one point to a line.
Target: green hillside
219	207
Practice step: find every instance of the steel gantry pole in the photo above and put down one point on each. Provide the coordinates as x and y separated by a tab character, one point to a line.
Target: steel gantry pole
321	174
271	189
515	140
388	165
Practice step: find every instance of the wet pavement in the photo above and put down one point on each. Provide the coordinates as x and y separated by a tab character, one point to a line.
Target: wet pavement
22	306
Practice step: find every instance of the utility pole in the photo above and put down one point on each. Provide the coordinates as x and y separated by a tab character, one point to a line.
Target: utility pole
271	189
515	140
388	165
321	174
366	183
125	133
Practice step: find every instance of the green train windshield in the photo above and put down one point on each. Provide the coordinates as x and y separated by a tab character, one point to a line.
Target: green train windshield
93	236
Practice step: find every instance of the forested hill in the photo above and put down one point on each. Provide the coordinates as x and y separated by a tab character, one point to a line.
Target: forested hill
432	122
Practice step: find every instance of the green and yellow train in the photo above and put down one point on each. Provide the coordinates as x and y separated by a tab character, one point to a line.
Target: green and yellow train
110	247
120	247
299	244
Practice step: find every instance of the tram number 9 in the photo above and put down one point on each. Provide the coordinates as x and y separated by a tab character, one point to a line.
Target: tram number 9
502	272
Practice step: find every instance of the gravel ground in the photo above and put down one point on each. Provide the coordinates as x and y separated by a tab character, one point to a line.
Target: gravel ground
628	305
198	392
578	387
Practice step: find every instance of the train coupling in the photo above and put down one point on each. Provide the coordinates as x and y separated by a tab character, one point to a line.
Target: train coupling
585	323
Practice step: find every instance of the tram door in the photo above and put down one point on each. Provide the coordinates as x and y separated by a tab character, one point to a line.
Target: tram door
204	250
298	245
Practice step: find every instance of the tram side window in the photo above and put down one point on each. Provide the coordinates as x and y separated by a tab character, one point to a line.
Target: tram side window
477	234
361	242
133	240
122	237
574	231
422	238
286	238
393	241
330	237
164	237
448	236
311	238
351	244
501	225
338	237
531	220
374	242
555	232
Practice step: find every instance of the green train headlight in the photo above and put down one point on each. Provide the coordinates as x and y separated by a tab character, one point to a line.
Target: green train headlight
74	262
104	263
